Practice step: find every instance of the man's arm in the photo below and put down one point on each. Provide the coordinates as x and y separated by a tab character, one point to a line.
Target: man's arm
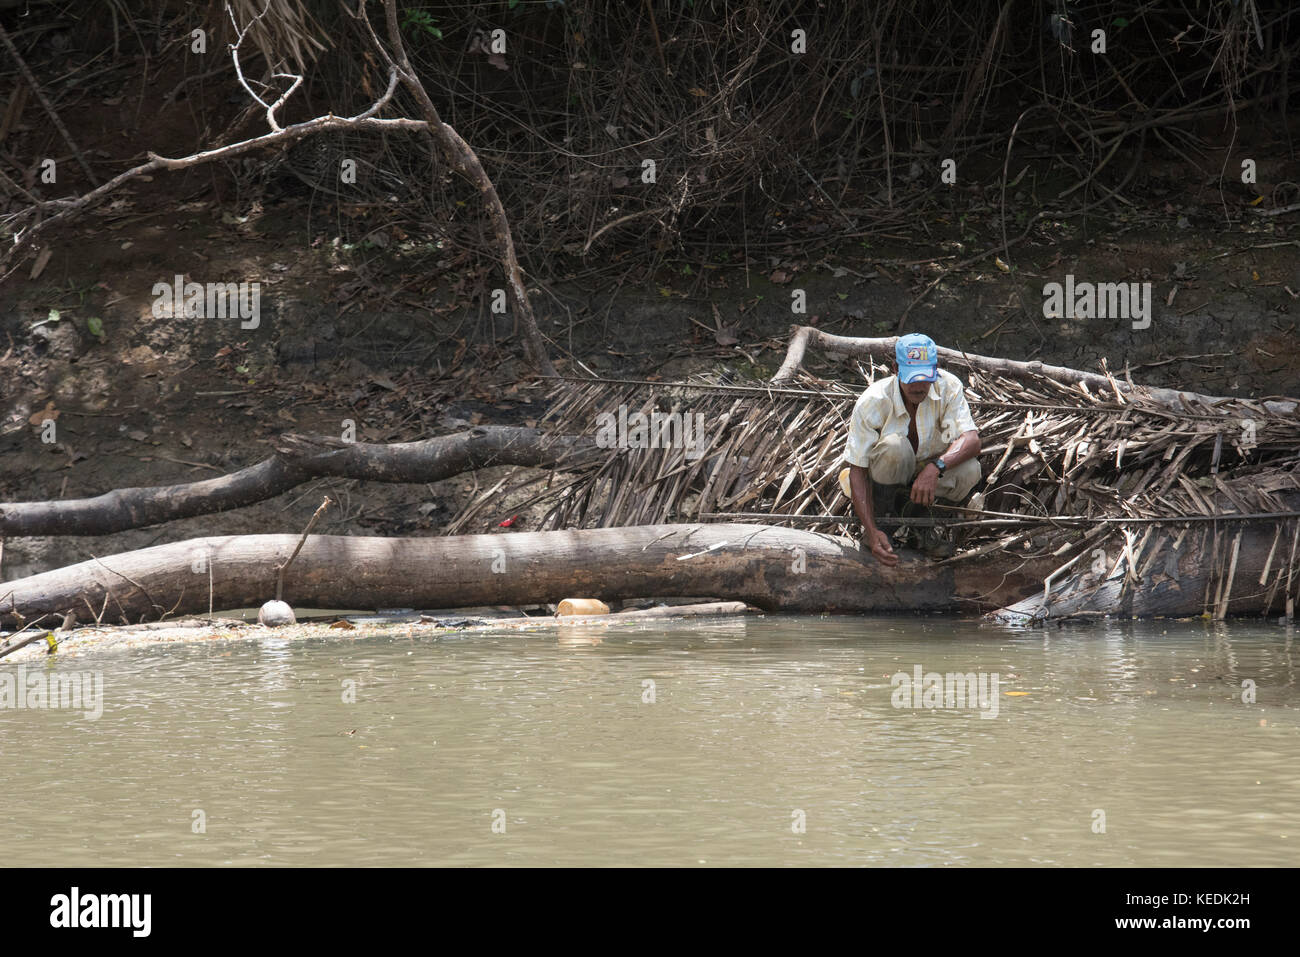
864	431
966	446
876	540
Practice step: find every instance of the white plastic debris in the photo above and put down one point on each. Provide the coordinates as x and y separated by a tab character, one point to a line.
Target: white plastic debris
276	613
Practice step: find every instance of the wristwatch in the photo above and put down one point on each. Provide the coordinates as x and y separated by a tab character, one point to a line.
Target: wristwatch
941	465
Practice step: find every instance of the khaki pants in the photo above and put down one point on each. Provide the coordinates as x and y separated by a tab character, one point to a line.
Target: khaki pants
891	461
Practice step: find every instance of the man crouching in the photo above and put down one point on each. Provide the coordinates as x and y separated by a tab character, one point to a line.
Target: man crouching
911	440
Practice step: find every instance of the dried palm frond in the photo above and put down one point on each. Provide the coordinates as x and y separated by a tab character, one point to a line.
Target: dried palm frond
773	455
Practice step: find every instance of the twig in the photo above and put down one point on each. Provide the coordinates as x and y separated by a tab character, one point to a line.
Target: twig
1276	212
147	596
1237	252
1221	610
280	570
10	649
49	107
654	31
608	226
234	55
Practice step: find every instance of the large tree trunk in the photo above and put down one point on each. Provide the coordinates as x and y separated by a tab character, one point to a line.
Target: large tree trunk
777	569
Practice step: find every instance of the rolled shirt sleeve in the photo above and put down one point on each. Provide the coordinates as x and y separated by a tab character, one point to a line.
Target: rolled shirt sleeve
957	410
864	429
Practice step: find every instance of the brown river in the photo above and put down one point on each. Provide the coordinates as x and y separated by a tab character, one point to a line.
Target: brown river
733	741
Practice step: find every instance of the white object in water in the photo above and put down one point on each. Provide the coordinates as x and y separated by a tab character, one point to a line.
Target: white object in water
582	606
276	613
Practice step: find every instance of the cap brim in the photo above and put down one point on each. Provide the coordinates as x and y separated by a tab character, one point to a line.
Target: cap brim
922	374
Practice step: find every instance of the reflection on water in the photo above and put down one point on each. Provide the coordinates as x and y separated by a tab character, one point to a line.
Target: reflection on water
699	742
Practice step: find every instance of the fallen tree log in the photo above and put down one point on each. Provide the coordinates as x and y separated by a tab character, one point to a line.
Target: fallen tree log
801	337
776	569
298	458
1176	573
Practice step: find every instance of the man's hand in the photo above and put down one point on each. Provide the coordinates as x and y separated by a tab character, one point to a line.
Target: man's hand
923	487
878	542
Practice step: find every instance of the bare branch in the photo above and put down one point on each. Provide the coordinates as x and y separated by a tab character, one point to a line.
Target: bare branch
70	208
270	110
234	54
464	160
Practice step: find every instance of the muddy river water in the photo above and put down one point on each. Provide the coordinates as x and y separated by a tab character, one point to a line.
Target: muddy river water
735	741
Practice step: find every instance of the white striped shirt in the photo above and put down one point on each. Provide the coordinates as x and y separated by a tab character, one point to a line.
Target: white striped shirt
941	417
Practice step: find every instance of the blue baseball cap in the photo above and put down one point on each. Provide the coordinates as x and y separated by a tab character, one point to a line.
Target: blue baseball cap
918	358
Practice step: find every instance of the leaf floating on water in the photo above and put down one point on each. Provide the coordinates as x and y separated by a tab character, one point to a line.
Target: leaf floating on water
1015	694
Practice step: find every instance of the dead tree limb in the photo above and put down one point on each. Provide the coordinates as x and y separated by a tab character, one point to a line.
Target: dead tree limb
279	572
297	459
1177	574
458	153
1175	399
67	209
461	156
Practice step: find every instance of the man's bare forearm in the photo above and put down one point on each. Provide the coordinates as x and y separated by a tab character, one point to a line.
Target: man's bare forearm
860	486
966	446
